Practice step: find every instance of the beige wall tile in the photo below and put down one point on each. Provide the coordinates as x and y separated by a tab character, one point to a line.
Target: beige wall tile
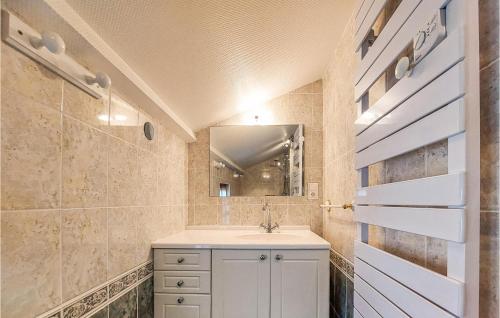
205	214
488	31
84	165
30	79
84	250
122	173
122	240
437	158
406	245
147	182
149	228
31	247
31	154
80	105
123	120
489	136
436	257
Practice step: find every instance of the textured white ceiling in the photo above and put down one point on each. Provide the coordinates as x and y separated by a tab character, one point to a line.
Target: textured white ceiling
205	59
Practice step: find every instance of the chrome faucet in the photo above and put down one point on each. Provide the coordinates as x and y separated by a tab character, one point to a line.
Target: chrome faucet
268	227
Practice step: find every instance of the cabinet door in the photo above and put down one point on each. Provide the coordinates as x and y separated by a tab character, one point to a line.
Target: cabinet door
181	306
299	283
240	283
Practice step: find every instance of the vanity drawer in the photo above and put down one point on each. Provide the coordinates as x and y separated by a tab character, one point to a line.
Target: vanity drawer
182	259
182	306
189	282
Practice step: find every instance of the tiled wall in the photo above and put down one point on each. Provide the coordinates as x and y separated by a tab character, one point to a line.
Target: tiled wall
82	197
301	106
489	68
340	177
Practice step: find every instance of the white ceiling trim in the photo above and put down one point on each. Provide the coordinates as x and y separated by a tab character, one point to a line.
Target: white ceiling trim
66	12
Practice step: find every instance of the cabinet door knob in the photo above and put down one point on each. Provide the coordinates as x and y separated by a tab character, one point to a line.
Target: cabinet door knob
180	260
263	257
278	257
180	300
180	283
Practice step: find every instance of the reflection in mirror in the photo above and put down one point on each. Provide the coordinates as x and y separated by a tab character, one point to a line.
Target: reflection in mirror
256	160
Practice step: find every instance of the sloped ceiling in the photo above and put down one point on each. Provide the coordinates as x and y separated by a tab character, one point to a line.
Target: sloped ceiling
211	59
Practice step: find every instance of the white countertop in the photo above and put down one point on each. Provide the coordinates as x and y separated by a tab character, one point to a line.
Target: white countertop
242	239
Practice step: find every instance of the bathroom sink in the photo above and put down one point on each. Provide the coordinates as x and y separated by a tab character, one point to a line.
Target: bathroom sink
267	236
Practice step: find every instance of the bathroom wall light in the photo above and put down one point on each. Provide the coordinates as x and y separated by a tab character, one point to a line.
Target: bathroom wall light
28	41
101	79
50	40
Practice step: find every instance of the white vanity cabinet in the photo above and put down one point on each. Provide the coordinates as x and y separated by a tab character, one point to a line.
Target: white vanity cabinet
270	283
300	283
241	274
241	280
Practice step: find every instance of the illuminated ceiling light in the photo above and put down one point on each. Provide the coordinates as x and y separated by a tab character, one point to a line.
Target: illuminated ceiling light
120	117
103	117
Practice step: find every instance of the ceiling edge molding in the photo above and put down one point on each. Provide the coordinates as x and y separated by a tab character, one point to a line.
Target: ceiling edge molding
145	94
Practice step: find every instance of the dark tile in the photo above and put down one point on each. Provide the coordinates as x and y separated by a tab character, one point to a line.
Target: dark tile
488	274
489	136
340	296
349	299
86	304
103	313
488	31
145	298
332	284
121	284
125	306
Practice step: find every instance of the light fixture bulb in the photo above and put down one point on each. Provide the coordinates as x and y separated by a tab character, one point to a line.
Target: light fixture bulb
50	40
101	79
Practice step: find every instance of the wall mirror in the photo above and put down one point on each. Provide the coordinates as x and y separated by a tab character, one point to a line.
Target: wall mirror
256	160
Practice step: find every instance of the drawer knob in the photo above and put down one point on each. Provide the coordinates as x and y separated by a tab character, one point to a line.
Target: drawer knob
278	257
180	283
180	300
263	257
180	260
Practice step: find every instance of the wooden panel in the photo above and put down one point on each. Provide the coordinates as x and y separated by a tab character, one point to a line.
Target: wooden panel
401	41
399	17
182	282
441	290
363	307
446	224
369	20
446	122
376	300
445	190
363	11
182	259
438	93
411	303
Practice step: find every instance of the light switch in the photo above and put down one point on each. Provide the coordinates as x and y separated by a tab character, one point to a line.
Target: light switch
312	191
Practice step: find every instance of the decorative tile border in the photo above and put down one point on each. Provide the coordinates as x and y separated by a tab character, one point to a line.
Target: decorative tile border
145	271
343	264
122	283
89	302
86	304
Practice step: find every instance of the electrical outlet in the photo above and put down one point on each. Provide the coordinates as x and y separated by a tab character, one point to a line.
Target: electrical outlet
312	191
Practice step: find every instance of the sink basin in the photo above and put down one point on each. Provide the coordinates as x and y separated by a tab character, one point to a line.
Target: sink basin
268	236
